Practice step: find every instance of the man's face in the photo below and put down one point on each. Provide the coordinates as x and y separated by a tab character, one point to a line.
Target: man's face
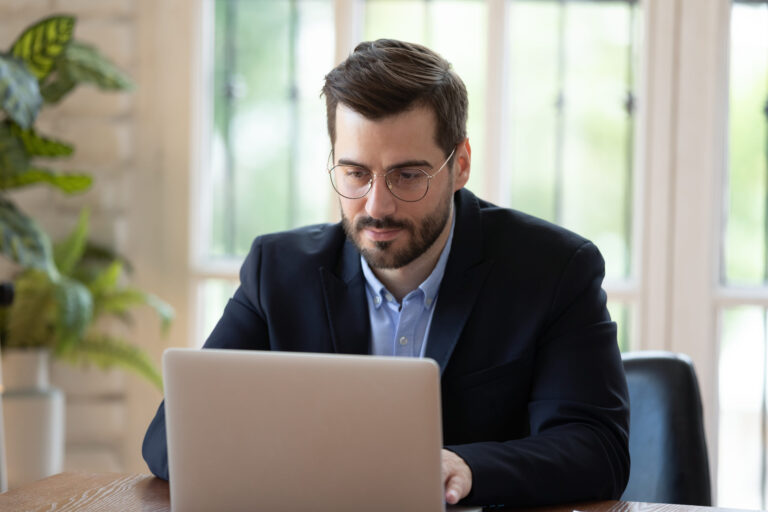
388	232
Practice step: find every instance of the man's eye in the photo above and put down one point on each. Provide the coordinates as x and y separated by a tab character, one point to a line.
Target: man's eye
356	174
405	175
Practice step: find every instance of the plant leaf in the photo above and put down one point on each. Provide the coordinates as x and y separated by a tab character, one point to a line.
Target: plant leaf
106	281
121	301
35	145
84	63
68	253
42	43
19	91
74	308
22	241
69	183
31	316
106	351
57	87
15	170
13	157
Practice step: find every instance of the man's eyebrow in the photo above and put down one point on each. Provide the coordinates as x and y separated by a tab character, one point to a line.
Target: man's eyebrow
421	164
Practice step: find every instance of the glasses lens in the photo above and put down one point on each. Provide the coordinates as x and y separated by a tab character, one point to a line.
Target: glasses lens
349	181
408	184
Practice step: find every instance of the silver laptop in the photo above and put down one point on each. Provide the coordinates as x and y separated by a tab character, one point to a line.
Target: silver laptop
279	431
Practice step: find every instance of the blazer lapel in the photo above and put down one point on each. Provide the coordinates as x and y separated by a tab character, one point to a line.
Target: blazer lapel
464	276
345	303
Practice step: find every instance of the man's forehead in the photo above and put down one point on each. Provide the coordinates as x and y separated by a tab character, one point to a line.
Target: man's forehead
414	128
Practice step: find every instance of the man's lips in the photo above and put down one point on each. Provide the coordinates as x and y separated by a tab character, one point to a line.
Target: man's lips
381	235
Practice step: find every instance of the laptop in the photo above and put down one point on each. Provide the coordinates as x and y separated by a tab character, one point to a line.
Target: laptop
286	431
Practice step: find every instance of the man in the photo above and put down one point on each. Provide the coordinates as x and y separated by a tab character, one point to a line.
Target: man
535	406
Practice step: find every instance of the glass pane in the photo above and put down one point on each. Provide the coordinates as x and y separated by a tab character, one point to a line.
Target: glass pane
269	143
212	296
745	239
623	314
741	380
572	69
433	23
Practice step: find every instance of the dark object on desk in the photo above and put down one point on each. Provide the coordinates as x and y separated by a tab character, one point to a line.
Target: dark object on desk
667	446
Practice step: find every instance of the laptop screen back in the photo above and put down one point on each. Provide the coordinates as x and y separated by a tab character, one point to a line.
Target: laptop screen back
251	430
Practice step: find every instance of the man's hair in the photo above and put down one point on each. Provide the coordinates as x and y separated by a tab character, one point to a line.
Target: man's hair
387	77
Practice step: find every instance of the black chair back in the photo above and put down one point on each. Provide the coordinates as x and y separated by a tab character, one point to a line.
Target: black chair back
666	434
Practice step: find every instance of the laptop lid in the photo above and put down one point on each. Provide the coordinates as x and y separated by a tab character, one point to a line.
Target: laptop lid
279	431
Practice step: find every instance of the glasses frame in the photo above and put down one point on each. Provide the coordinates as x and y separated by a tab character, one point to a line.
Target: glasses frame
386	179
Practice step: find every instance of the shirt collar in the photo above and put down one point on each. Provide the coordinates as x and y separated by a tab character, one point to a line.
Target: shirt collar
429	287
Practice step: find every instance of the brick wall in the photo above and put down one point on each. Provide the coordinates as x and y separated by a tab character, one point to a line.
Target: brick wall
102	127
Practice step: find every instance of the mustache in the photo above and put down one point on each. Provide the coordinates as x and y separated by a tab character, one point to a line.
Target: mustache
385	223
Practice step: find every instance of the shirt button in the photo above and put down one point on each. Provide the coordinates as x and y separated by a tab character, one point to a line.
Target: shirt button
390	298
428	301
403	340
377	300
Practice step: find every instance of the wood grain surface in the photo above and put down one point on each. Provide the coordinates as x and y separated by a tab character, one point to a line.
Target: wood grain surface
108	492
87	492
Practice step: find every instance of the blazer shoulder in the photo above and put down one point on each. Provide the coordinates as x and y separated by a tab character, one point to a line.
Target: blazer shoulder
319	243
520	231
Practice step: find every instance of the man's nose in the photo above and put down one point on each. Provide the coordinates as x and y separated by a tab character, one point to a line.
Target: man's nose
379	202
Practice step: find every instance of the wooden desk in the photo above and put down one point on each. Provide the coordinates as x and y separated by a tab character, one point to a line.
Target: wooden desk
106	492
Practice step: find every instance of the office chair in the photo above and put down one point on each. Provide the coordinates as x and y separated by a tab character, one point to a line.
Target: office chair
666	434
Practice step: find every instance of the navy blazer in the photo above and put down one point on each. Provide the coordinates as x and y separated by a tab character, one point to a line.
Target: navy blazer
534	397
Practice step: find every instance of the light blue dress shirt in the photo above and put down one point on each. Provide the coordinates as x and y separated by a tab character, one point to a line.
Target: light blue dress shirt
402	329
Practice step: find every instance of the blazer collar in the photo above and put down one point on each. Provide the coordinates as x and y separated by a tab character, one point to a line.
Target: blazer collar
347	307
345	303
464	276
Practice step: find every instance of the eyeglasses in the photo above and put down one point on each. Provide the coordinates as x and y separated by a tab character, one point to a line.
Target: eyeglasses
407	183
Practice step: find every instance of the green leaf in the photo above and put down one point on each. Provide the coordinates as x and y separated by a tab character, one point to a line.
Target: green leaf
15	170
122	301
22	241
57	87
106	351
68	253
41	44
32	314
106	281
35	145
82	63
13	157
69	183
74	308
19	92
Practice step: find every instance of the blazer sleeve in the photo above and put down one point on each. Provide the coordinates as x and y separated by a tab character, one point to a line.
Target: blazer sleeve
578	408
242	326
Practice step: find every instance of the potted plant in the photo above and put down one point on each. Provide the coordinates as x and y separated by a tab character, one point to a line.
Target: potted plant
63	292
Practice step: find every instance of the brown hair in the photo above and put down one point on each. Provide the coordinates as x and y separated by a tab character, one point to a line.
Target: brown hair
386	77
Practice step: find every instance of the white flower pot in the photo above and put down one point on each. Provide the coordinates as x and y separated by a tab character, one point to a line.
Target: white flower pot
34	417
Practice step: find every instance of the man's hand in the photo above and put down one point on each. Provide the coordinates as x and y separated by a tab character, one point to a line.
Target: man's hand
457	477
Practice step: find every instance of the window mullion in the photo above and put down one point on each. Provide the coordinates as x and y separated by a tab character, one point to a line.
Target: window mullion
230	63
560	114
293	125
629	206
348	21
496	186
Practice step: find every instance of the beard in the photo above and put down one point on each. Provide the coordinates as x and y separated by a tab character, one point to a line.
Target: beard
422	237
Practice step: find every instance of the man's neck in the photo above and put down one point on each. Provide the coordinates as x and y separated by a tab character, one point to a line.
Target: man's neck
401	281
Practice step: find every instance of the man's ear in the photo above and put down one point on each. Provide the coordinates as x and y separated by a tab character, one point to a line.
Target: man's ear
462	162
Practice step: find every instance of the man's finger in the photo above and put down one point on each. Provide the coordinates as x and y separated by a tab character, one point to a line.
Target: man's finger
454	490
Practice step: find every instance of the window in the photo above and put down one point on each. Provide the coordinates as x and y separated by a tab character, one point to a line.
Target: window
743	363
565	147
268	143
